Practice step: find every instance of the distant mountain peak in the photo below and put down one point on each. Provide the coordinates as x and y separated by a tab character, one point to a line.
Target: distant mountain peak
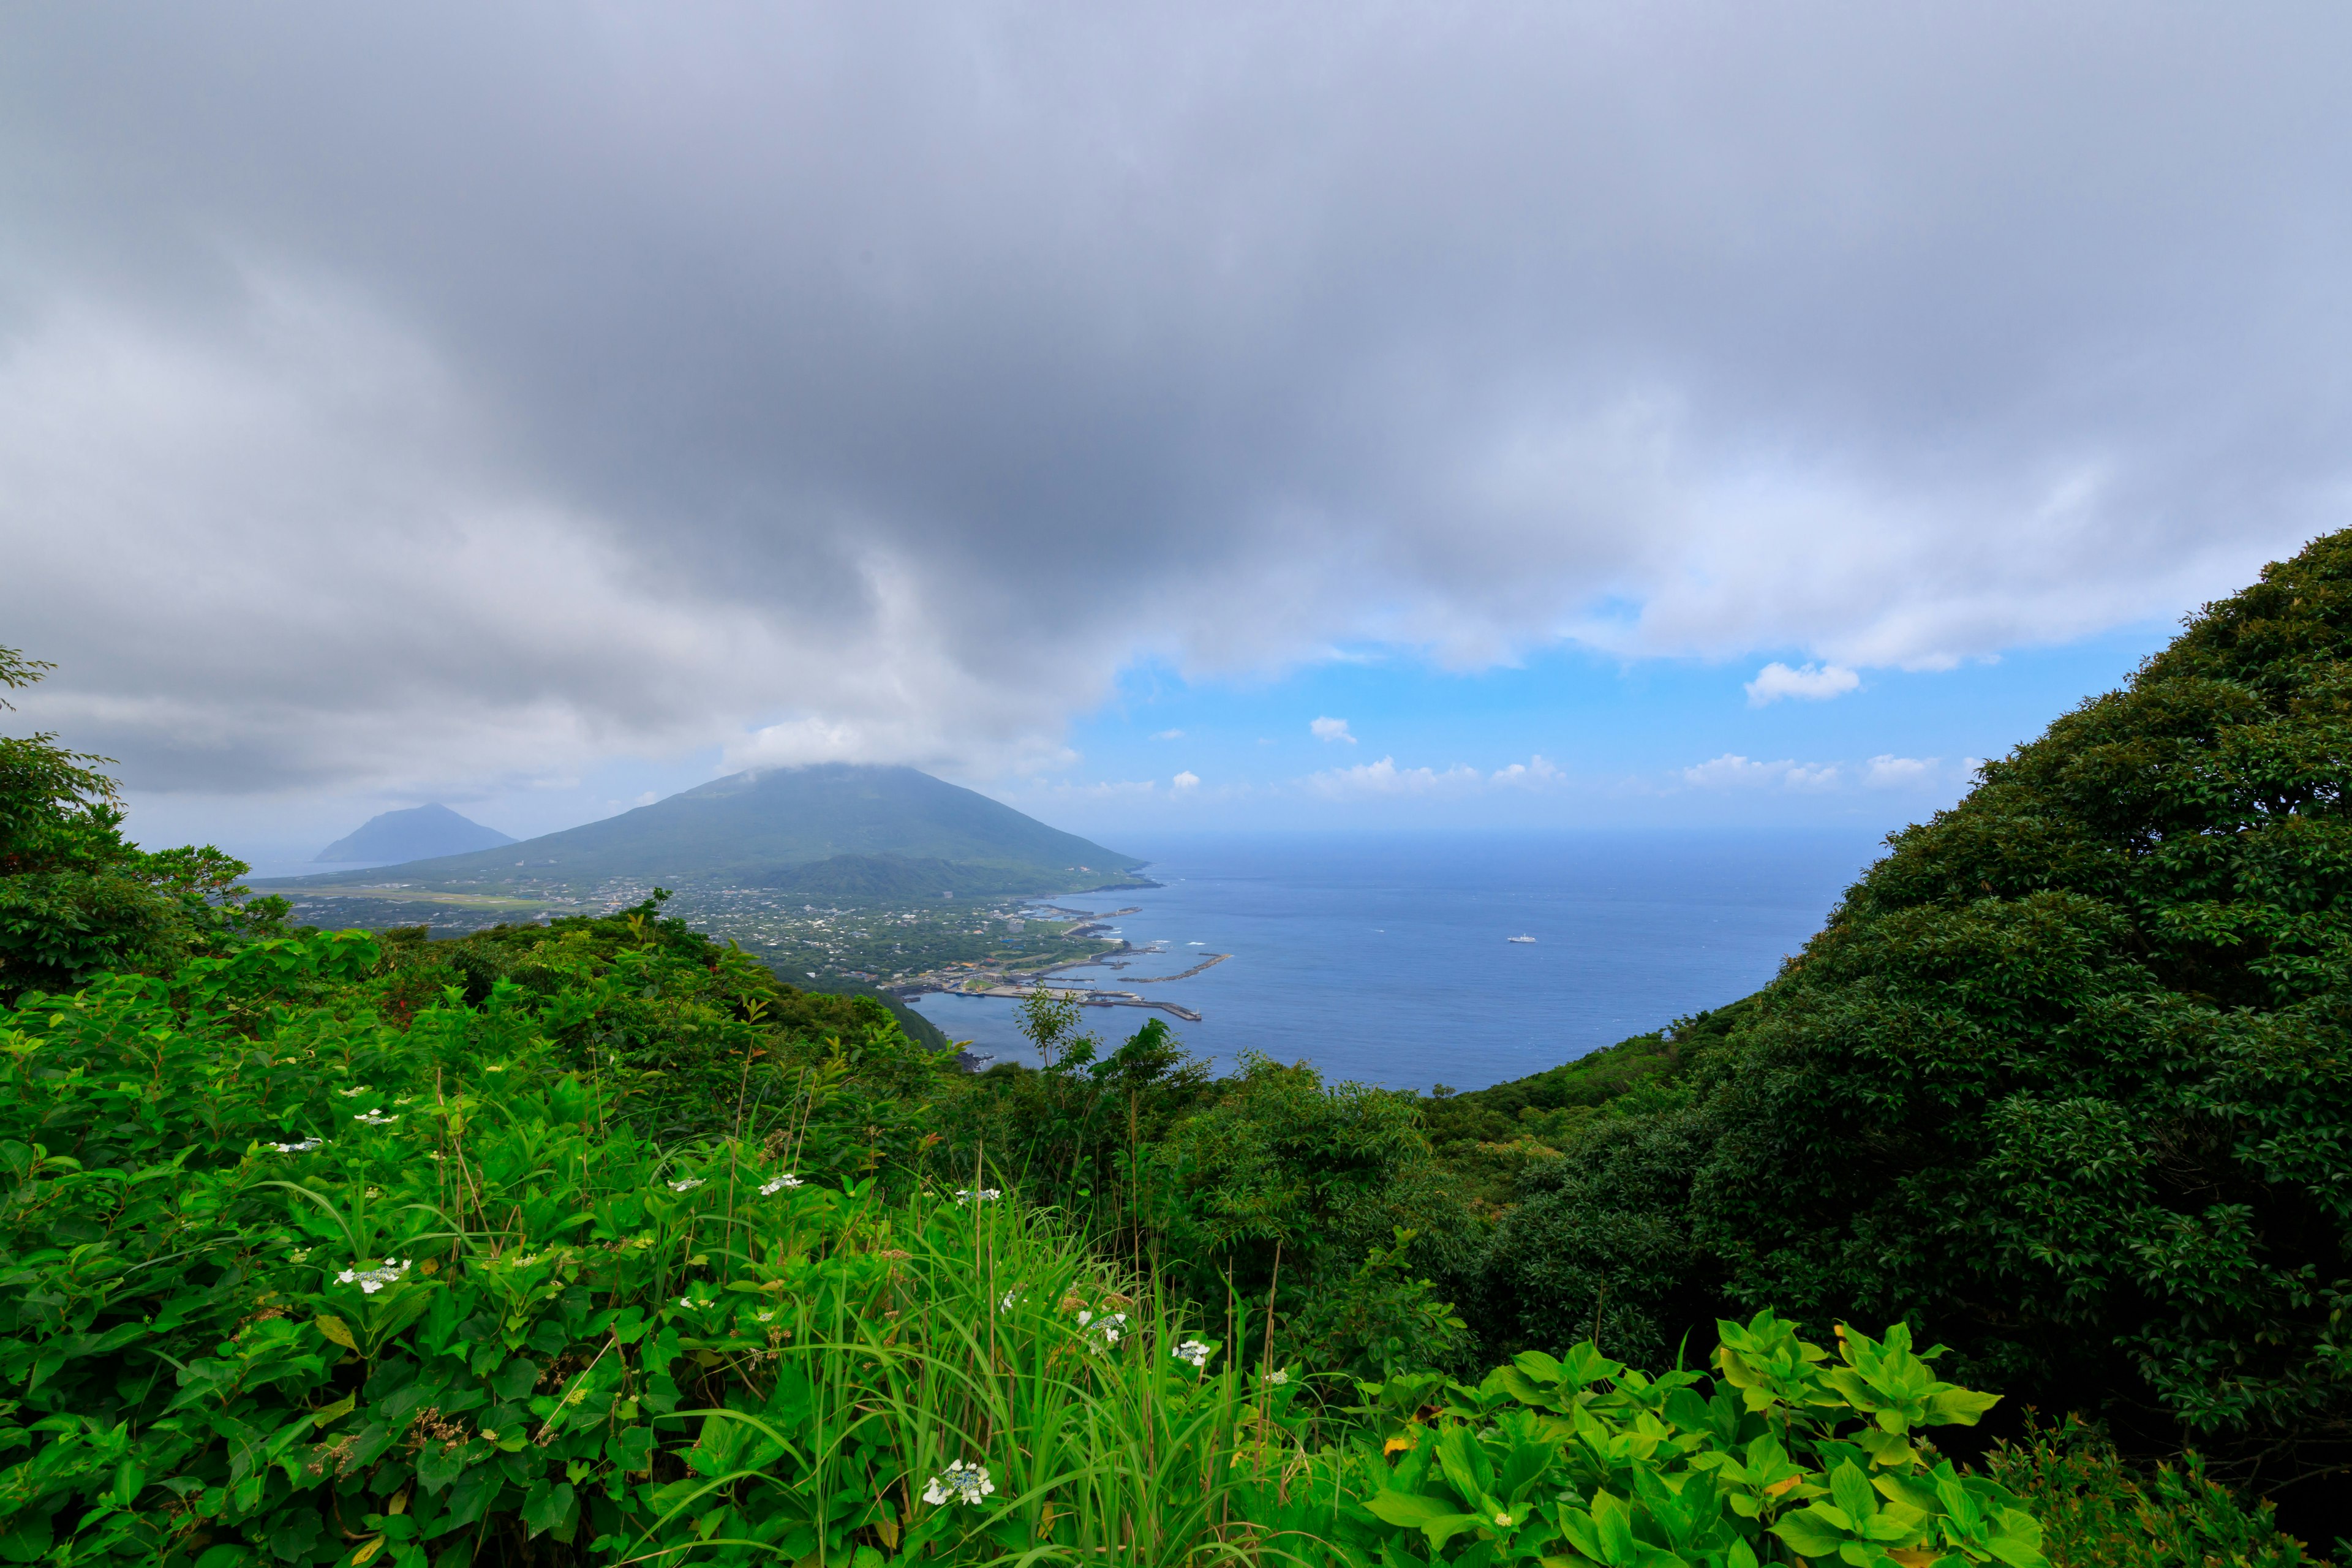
844	829
417	833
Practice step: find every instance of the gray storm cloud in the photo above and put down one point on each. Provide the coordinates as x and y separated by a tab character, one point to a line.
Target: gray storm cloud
389	397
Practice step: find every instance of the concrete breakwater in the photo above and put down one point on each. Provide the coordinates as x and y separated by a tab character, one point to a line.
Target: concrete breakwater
1211	962
1086	998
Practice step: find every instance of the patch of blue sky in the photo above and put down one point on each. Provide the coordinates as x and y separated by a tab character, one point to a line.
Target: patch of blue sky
1632	739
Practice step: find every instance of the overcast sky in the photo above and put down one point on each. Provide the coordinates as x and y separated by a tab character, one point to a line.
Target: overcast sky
534	406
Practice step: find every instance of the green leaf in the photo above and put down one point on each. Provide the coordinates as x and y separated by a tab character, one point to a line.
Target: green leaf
546	1507
1809	1535
1852	1489
1959	1406
632	1449
1410	1510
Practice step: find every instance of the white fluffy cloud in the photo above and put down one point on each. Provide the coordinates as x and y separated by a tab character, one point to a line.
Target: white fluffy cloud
1884	772
1533	773
800	382
1888	771
1331	730
1731	771
1384	779
1186	780
1814	683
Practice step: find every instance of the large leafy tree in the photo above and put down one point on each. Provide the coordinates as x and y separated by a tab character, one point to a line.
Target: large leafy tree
2069	1072
75	896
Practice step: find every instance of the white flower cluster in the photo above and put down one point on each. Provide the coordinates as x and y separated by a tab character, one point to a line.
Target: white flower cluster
686	1185
698	1301
963	1482
1010	1299
304	1147
353	1092
985	1194
1278	1377
1102	1333
374	1118
785	1183
373	1280
1193	1351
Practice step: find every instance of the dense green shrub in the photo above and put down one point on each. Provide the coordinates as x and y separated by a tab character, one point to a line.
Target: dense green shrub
2066	1073
1785	1453
290	1282
2101	1512
326	1288
78	899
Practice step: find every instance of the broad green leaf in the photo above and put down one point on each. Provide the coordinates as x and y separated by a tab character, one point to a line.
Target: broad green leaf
1852	1489
1810	1532
1959	1406
1410	1509
547	1507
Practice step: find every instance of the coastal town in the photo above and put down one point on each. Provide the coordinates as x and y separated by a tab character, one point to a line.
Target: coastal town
1004	948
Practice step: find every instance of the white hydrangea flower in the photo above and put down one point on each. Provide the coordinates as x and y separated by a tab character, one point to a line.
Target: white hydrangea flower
985	1194
686	1185
963	1481
371	1119
1103	1332
371	1280
785	1183
1193	1351
1278	1377
304	1147
353	1092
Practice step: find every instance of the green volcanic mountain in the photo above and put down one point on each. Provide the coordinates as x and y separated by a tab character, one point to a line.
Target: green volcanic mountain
412	835
828	829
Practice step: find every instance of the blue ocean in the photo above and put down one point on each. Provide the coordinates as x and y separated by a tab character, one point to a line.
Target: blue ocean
1387	959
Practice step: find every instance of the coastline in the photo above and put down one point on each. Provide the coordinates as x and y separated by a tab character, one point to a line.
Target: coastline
1089	921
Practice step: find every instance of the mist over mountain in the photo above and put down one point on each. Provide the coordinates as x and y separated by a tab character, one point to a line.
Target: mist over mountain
836	829
412	835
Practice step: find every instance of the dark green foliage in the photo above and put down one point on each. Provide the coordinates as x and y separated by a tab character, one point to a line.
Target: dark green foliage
1497	1141
1282	1184
76	898
2100	1513
1600	1243
1525	1106
2066	1073
293	1283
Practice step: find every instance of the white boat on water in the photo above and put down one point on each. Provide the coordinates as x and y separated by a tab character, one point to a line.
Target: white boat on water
1519	938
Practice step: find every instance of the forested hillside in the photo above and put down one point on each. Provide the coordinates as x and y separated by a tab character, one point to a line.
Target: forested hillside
2066	1075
